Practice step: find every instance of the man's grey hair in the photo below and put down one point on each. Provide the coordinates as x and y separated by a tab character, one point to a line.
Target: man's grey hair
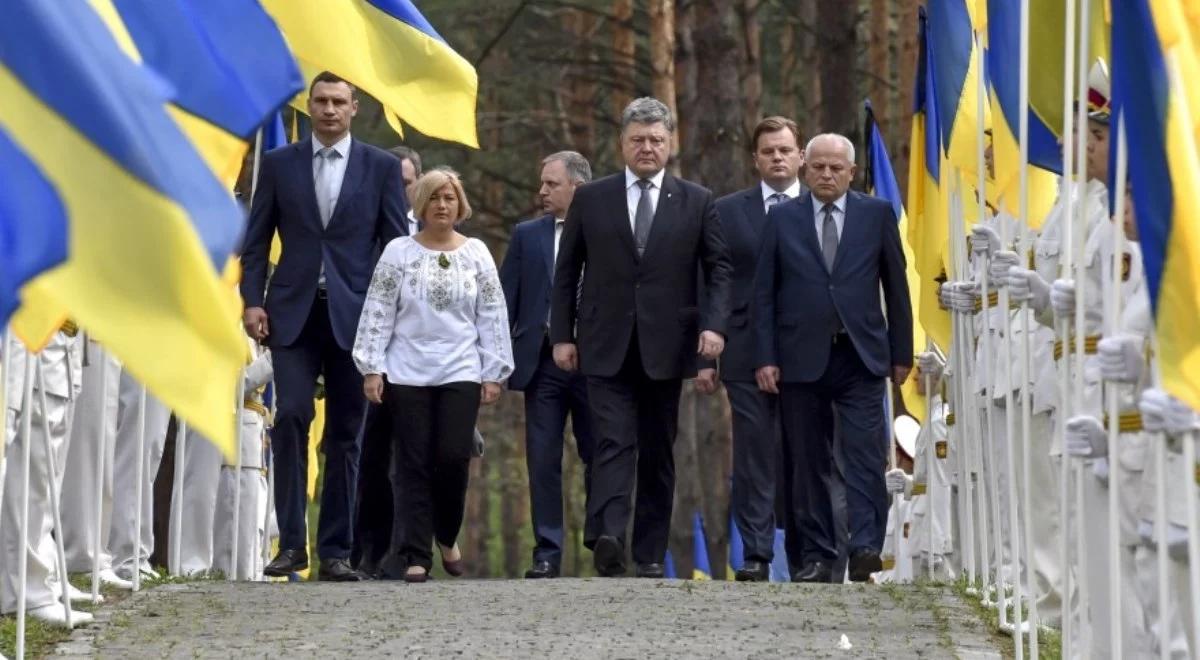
578	168
408	153
846	144
647	110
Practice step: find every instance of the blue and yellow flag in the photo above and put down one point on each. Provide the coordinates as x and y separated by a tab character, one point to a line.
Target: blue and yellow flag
701	569
33	224
952	59
390	51
146	219
881	182
737	549
1047	41
1155	66
928	202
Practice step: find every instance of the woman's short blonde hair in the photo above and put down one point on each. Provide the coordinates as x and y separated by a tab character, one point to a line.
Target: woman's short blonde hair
432	181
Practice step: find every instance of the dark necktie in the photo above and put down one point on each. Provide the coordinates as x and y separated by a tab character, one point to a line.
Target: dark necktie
775	198
829	237
644	217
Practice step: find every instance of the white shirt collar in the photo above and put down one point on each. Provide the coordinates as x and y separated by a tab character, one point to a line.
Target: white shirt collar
631	179
558	222
839	204
791	191
342	146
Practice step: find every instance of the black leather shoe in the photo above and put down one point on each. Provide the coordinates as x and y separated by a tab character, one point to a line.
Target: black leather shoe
864	562
541	569
369	567
287	562
609	557
817	571
650	570
338	570
753	571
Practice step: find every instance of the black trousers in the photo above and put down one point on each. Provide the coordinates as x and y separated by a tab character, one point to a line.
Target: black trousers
433	433
634	420
551	395
856	397
757	437
297	366
373	520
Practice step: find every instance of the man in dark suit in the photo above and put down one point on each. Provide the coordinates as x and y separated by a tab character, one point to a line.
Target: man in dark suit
640	238
335	202
550	392
823	340
756	430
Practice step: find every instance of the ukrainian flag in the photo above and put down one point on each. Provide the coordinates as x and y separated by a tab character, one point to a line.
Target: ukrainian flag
1045	154
881	182
33	224
737	549
1047	41
701	569
389	50
1155	65
145	219
952	58
928	203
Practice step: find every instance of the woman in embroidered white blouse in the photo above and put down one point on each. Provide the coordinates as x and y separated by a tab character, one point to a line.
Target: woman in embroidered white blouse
433	343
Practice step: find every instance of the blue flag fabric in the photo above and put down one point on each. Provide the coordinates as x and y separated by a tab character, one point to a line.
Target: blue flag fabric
33	224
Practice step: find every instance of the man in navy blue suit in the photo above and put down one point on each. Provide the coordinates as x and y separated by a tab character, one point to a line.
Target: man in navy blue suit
757	440
824	340
335	202
550	393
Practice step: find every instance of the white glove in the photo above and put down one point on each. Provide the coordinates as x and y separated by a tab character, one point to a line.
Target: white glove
984	240
1121	358
930	364
1162	412
1086	437
1153	405
898	482
1001	262
959	296
1177	542
1026	285
1062	299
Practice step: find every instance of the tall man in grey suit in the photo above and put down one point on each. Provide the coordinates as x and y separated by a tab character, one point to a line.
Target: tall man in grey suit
823	340
756	434
639	238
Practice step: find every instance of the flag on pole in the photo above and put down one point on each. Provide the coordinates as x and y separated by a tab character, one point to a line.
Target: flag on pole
669	567
928	203
701	569
33	224
952	57
146	220
390	51
881	182
737	549
1047	36
1155	66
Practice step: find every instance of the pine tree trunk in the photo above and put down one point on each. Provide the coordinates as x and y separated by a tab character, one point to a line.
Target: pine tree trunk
662	62
624	56
838	56
751	64
907	66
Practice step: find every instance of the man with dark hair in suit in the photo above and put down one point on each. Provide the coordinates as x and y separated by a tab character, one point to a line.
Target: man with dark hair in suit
775	148
550	393
636	330
335	202
823	341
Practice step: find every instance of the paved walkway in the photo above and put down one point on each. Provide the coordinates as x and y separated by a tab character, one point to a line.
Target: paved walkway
564	618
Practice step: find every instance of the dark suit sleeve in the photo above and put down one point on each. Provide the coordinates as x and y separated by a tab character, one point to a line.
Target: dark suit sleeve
763	309
510	275
260	229
895	292
393	205
572	255
718	270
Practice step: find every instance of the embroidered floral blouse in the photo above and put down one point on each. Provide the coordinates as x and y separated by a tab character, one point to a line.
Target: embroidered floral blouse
434	317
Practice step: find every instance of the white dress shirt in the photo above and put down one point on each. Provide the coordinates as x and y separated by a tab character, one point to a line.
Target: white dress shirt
792	192
839	217
338	165
558	230
433	317
633	193
414	225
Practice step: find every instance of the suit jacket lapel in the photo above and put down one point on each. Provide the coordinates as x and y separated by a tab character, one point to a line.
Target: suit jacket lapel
546	241
755	209
625	231
304	177
352	179
847	231
665	213
808	229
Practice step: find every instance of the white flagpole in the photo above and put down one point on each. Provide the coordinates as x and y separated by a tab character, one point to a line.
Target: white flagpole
138	474
930	458
1113	314
5	395
23	533
1026	390
1064	393
237	481
98	494
52	478
177	487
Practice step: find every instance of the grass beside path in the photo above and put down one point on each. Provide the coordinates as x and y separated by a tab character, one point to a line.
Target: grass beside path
1049	641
